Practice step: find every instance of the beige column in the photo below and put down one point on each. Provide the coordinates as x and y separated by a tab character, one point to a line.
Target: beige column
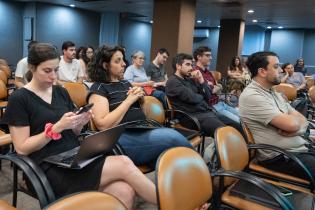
230	42
173	28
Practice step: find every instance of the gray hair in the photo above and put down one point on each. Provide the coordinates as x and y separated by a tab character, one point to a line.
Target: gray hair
137	53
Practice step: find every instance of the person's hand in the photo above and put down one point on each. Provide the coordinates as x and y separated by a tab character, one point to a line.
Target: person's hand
134	94
84	118
286	134
150	83
204	206
68	121
210	84
197	75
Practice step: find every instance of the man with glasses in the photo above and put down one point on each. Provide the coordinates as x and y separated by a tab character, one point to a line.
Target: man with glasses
271	119
156	71
189	92
228	114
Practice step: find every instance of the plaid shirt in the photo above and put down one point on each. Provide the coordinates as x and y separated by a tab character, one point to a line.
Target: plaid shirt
207	76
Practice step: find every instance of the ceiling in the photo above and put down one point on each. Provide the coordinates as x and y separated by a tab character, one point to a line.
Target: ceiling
286	13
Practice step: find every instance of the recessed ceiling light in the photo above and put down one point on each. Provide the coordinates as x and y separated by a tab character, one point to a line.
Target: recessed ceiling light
280	27
199	21
151	21
250	11
269	27
255	21
72	5
219	26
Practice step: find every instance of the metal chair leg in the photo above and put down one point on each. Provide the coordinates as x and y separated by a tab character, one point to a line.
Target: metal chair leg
15	185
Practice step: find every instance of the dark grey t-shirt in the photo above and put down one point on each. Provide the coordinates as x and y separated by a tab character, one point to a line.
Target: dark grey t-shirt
156	74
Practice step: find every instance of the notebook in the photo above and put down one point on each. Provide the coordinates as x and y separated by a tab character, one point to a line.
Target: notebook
91	148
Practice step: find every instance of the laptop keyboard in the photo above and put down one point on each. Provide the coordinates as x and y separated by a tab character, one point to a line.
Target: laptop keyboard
68	160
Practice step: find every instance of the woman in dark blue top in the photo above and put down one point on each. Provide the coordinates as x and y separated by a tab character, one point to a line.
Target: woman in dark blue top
116	101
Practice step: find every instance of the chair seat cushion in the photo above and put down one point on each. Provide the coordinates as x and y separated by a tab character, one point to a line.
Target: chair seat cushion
5	206
255	167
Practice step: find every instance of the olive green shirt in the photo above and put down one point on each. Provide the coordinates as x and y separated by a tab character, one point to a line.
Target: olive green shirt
258	106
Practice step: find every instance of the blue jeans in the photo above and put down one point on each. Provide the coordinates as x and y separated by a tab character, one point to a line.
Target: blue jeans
227	111
160	95
145	146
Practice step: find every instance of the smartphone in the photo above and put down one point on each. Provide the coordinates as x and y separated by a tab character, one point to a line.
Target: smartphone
85	108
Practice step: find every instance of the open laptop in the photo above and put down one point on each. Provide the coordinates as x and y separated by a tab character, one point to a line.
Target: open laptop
91	148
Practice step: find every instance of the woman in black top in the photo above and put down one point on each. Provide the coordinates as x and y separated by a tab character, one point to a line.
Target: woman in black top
42	123
116	101
299	66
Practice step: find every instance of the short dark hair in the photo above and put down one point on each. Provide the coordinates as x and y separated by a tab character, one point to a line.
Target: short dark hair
163	50
258	60
285	65
96	71
67	44
200	51
31	43
179	59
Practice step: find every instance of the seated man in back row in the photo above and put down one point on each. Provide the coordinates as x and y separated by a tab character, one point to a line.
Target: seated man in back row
271	119
189	92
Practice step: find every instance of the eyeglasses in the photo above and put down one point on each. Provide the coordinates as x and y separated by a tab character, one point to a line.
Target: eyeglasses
89	52
141	58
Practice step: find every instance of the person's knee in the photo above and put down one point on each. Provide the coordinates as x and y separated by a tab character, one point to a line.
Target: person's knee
176	139
125	164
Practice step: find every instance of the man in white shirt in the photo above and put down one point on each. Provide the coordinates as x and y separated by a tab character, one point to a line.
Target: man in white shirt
69	68
22	68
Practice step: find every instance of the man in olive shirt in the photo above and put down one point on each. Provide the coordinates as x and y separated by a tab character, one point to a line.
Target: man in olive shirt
271	119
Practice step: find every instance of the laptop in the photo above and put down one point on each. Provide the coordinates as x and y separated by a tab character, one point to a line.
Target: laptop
92	147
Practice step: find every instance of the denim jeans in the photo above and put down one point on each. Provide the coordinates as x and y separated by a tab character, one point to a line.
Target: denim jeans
145	146
227	111
160	95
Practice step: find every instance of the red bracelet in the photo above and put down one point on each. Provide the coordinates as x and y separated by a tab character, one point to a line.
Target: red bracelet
50	134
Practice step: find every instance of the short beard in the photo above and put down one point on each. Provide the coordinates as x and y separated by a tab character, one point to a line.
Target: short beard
276	81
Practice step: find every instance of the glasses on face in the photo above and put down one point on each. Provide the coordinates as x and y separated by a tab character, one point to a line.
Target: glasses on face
141	58
89	52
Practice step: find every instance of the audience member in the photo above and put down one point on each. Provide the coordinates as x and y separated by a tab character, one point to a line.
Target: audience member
22	68
299	66
294	78
271	119
136	75
237	73
156	71
42	123
116	101
69	67
86	57
202	56
78	52
189	92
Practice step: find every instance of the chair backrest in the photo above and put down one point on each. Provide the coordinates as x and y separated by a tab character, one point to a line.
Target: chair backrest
77	92
311	94
88	200
153	109
231	150
3	90
288	90
3	77
217	75
183	180
249	138
309	83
